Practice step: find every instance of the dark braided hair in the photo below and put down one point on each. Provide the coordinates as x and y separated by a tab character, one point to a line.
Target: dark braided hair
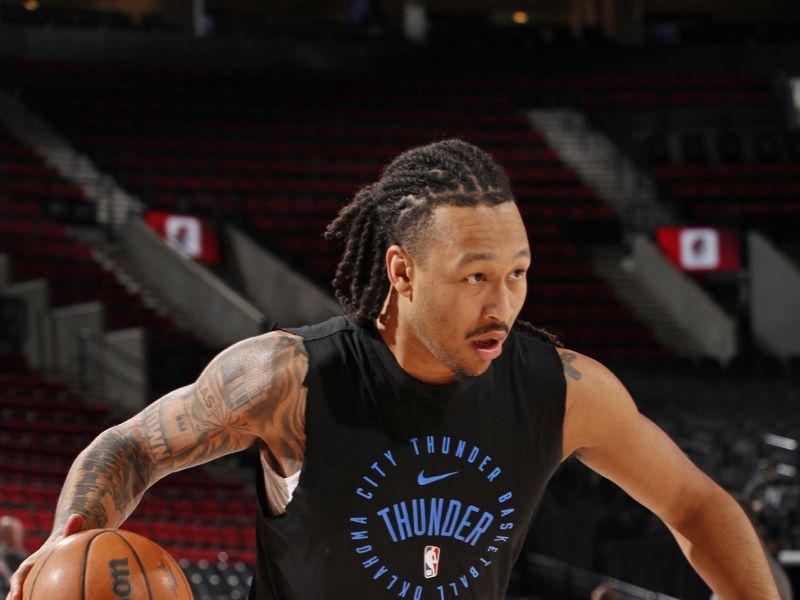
396	210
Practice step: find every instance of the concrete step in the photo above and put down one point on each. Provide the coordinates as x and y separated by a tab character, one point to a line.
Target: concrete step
603	167
114	258
113	204
611	264
110	255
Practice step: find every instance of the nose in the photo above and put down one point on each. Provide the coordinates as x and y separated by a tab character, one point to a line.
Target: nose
500	305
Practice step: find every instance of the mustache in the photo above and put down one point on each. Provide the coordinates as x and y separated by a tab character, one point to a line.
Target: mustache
488	329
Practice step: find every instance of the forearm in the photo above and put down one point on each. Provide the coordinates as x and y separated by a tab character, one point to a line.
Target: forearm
106	481
722	546
252	390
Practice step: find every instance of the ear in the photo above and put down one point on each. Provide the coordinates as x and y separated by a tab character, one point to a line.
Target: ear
400	269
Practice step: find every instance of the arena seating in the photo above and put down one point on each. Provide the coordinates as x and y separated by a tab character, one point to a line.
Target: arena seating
745	195
625	92
622	92
732	161
40	247
32	197
724	157
280	154
219	580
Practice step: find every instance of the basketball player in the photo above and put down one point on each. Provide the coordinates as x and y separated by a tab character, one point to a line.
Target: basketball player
405	447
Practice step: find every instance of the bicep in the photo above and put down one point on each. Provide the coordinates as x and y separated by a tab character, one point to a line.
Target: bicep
249	391
189	427
651	468
608	434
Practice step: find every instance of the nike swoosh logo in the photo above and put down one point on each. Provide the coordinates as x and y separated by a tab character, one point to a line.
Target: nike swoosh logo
422	480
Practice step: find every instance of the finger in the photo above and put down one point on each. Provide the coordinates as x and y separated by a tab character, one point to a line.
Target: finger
74	524
15	591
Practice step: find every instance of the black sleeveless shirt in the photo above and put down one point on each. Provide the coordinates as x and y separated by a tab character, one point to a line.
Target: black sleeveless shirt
410	490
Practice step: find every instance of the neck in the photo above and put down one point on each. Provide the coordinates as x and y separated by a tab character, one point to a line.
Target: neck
411	354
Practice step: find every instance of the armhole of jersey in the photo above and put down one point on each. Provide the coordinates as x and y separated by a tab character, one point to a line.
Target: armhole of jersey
278	490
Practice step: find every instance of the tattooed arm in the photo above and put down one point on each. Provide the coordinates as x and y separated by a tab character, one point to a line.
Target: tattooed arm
253	390
606	432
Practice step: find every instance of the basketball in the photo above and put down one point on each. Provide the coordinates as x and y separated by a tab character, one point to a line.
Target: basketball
106	564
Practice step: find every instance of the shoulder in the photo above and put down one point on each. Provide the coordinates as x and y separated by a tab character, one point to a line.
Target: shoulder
584	374
532	347
259	357
534	350
324	344
264	345
596	400
319	331
532	357
526	331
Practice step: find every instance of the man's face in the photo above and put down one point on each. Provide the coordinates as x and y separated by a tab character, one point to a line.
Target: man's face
469	285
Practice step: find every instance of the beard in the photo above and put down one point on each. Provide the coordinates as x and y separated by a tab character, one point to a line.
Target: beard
446	356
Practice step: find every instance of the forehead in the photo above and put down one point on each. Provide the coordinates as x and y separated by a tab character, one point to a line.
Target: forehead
456	231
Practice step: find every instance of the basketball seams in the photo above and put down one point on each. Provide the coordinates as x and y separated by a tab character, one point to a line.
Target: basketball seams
138	560
77	568
39	571
86	561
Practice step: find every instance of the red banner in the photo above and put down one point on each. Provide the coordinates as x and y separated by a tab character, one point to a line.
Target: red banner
193	236
701	249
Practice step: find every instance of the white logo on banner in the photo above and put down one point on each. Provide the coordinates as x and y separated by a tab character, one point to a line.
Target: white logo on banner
699	248
184	234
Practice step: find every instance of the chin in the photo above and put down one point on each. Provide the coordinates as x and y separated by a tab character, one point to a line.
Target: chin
465	372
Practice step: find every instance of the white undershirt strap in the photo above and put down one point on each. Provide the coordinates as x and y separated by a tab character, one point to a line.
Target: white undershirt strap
278	489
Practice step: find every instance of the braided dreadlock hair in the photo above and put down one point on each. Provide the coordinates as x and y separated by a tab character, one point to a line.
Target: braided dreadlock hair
396	209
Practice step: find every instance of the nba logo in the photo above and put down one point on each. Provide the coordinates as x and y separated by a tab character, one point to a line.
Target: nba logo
431	559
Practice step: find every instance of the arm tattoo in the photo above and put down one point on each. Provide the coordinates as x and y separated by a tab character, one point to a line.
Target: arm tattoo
566	360
253	390
256	390
284	398
115	467
154	432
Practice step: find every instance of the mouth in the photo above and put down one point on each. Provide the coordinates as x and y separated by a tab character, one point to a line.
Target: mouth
489	347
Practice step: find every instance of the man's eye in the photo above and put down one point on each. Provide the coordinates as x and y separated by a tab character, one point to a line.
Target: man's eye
475	278
518	274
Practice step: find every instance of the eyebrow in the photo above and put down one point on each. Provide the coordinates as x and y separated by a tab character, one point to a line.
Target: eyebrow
470	257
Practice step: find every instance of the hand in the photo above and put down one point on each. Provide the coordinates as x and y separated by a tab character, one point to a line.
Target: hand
74	525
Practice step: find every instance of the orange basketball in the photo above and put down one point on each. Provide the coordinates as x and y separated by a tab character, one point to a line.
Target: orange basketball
106	564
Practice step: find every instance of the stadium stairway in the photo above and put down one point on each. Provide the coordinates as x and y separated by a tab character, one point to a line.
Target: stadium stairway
114	259
41	245
113	207
613	176
113	204
614	264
